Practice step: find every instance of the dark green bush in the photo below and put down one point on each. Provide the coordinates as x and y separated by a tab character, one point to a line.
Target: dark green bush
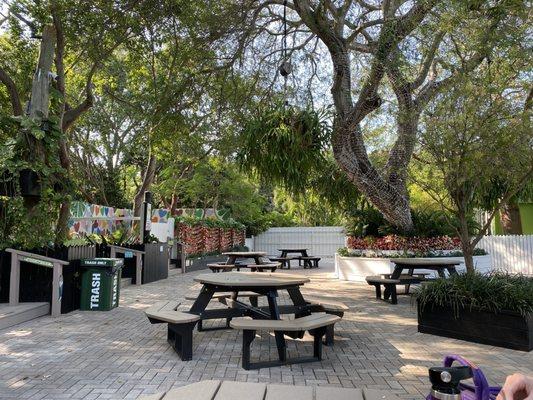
492	292
370	222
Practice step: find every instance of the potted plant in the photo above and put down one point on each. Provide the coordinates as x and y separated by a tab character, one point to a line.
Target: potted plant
494	309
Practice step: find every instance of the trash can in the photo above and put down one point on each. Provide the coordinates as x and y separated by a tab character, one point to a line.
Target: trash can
100	283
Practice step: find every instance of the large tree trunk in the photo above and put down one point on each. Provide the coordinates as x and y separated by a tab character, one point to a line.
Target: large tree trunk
348	144
510	219
148	179
39	103
391	202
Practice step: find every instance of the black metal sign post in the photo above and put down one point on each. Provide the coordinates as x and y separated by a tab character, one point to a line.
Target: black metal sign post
146	217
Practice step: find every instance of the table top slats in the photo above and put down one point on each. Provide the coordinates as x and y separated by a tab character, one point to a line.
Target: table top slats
241	391
229	390
373	394
286	392
251	279
204	390
337	393
419	261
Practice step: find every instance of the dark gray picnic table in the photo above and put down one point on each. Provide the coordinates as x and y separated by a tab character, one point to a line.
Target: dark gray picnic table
285	252
434	264
233	256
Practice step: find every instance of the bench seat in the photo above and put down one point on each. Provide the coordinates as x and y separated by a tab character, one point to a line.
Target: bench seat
329	306
310	261
166	311
316	324
221	267
390	287
284	261
180	325
302	324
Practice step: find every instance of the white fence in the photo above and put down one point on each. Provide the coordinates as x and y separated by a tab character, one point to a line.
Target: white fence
322	241
513	253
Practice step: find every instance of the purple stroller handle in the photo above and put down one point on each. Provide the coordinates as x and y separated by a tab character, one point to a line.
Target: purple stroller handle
481	389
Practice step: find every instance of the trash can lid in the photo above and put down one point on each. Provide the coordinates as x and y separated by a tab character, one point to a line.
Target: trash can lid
102	262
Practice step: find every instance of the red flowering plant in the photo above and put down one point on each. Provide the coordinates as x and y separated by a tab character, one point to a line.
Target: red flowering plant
401	246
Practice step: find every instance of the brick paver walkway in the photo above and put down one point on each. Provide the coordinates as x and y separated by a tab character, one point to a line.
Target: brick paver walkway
119	355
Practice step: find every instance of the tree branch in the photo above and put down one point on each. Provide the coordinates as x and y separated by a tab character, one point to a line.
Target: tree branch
428	61
12	90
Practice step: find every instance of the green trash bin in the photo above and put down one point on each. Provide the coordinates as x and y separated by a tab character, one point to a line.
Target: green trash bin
100	283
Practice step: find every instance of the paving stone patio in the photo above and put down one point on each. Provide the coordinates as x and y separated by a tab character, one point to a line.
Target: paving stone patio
119	355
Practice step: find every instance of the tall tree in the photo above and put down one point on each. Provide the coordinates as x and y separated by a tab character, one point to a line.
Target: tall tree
477	138
355	31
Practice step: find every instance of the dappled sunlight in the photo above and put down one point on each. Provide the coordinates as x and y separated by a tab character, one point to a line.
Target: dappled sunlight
19	333
374	339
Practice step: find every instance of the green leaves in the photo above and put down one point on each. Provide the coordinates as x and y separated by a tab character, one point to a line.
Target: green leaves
285	145
493	292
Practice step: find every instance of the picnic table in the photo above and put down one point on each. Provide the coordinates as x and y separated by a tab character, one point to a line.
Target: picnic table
317	316
285	252
266	284
411	265
235	255
434	264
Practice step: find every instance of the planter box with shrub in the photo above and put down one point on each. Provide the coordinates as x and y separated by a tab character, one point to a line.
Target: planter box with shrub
494	309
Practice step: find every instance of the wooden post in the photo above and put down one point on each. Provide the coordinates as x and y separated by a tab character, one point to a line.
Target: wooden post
183	260
57	276
138	268
113	253
14	282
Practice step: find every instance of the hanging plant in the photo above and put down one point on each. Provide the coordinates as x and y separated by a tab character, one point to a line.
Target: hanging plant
285	144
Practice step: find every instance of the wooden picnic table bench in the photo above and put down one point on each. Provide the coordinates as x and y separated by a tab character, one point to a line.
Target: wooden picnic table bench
222	267
284	261
180	325
315	324
389	283
229	390
310	261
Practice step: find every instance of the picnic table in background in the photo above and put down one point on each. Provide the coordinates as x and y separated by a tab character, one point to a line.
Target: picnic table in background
285	258
264	284
233	256
390	281
285	252
434	264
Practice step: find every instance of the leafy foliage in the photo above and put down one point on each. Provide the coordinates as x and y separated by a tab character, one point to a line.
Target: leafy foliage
494	292
285	145
431	223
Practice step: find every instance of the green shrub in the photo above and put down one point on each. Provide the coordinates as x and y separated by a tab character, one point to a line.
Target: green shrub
494	292
370	222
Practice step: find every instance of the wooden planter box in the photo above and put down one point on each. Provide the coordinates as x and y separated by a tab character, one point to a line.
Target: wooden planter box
505	329
199	263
